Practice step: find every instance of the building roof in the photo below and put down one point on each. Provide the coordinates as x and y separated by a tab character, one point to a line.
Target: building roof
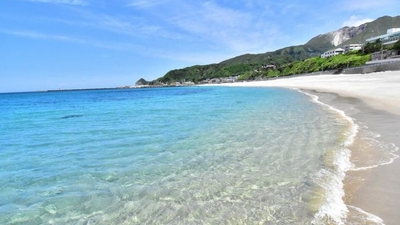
389	33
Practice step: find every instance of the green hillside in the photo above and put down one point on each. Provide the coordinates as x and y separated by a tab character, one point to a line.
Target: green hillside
248	65
240	64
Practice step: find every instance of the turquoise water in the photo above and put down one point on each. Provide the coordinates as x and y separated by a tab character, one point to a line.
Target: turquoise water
192	155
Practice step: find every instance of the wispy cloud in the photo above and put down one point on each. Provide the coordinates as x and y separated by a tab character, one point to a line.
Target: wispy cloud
146	3
38	35
355	21
67	2
209	24
223	26
132	26
174	28
121	46
184	55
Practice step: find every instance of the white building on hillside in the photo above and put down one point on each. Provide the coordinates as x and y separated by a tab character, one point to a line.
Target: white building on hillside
352	47
391	37
333	52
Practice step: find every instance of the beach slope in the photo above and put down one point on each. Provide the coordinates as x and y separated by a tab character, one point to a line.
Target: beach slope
373	101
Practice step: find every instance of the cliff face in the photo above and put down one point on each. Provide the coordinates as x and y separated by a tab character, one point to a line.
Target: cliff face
354	35
344	34
314	47
338	37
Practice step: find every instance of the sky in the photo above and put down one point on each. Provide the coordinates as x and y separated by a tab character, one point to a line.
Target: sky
68	44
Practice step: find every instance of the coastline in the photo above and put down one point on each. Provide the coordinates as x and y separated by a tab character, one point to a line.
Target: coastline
373	101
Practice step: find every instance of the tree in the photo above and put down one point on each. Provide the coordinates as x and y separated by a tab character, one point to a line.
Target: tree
373	47
396	45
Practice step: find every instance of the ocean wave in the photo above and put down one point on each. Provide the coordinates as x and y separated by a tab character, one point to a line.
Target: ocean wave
334	210
330	179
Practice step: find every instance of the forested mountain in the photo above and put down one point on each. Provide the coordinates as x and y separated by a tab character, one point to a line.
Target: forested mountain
314	47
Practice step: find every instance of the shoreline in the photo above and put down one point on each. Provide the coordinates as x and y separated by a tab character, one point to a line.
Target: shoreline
370	187
373	102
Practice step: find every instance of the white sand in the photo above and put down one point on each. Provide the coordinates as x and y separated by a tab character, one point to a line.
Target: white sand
380	90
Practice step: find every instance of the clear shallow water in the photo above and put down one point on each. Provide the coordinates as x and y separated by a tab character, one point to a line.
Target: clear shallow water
196	155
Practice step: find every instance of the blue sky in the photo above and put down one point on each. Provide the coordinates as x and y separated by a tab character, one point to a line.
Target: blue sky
52	44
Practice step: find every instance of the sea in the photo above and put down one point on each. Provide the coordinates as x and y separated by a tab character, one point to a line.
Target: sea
179	155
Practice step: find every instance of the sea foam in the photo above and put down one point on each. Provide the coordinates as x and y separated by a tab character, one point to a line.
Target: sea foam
334	208
331	179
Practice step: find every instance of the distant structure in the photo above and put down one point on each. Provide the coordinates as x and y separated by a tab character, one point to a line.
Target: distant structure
268	67
352	47
392	36
384	55
333	52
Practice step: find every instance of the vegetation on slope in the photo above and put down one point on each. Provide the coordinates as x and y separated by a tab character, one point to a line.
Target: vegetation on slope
289	60
252	71
396	45
311	65
239	65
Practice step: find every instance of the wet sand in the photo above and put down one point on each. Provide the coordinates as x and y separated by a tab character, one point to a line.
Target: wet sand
373	101
375	190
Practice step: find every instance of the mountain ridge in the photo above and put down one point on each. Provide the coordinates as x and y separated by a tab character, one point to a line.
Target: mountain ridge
314	47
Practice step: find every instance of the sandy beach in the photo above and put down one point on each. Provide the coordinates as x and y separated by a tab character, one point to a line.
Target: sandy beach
373	101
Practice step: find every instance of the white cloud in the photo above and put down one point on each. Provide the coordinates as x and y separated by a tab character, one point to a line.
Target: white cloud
112	45
37	35
115	45
146	3
355	21
209	23
178	29
221	26
138	27
67	2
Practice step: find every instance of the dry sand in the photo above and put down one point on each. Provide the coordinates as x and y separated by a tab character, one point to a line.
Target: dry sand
380	90
373	101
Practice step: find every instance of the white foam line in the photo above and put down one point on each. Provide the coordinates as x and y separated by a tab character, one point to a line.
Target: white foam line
350	166
334	206
391	160
354	126
369	216
351	140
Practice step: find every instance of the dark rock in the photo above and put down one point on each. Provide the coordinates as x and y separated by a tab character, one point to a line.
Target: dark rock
71	116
